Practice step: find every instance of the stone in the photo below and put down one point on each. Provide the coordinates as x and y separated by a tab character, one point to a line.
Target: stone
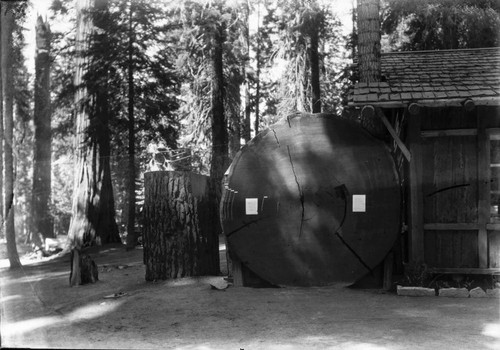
415	291
454	292
477	292
493	293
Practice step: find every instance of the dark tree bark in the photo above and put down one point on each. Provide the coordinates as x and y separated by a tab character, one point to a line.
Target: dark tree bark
42	221
233	109
93	203
246	121
257	78
219	161
178	226
131	236
2	232
369	40
7	28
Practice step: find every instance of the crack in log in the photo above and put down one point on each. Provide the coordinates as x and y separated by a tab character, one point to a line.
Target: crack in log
301	193
446	189
276	137
245	224
342	192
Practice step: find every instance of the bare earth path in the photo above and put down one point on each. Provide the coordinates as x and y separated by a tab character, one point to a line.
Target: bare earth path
40	310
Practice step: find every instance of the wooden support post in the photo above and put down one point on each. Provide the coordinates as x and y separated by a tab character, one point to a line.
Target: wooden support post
394	135
237	272
416	201
483	152
388	266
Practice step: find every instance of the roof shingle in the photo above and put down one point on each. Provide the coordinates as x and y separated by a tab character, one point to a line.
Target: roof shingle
434	78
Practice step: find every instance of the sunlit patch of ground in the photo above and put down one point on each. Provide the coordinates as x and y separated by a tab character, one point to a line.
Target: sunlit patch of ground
122	310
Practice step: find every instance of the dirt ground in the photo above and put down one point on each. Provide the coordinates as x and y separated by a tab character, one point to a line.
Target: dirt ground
40	310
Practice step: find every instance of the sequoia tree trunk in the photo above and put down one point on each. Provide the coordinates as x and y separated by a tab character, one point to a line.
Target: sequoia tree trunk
7	28
131	236
93	204
41	218
178	235
369	40
314	64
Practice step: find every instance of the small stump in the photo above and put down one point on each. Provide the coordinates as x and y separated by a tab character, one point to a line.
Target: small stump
180	238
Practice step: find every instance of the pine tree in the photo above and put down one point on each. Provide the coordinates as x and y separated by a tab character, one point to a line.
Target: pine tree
7	24
41	191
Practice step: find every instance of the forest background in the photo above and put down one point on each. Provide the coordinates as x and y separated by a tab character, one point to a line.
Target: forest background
175	85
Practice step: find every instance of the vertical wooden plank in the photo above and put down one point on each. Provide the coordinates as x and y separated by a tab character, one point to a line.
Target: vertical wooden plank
388	266
416	206
483	168
494	249
237	272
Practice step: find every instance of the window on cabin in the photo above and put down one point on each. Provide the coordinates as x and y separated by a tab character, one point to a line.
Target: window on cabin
494	178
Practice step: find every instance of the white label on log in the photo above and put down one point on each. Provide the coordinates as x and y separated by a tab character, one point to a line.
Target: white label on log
359	203
251	206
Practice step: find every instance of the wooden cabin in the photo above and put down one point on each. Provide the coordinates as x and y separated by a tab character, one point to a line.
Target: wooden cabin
441	109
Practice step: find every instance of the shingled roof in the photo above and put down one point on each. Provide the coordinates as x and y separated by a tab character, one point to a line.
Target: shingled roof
434	78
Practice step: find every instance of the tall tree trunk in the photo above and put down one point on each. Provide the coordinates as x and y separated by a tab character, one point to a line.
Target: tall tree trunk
219	161
131	236
257	84
2	232
42	221
233	109
7	29
314	64
246	122
93	205
369	40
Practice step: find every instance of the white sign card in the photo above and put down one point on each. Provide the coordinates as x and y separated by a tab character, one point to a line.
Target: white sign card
251	206
359	203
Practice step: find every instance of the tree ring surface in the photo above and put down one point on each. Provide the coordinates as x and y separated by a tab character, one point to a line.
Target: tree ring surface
312	201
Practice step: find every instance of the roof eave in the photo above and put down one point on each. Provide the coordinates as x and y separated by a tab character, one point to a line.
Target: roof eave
478	101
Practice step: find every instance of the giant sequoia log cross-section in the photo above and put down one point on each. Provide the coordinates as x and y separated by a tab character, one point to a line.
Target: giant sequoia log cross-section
312	201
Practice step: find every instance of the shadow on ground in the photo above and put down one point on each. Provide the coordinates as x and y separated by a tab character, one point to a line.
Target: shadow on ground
39	309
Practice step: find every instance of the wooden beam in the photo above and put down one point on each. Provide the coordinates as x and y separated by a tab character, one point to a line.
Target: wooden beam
368	111
465	270
416	200
469	105
493	227
394	134
451	226
449	132
483	169
456	102
414	108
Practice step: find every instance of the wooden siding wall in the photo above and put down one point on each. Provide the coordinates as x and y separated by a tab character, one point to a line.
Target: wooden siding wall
453	188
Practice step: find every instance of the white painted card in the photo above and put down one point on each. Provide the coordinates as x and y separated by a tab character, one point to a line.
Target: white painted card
251	206
359	203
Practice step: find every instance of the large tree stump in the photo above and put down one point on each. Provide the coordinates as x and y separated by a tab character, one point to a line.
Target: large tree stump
312	201
179	231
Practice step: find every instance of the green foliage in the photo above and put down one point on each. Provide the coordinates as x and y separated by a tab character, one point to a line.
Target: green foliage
296	22
416	275
441	24
197	23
